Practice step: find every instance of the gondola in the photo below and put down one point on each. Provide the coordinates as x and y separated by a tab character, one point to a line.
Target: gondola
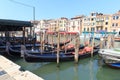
114	65
16	51
52	57
62	43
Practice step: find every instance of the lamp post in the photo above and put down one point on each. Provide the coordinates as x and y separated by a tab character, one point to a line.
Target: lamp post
33	7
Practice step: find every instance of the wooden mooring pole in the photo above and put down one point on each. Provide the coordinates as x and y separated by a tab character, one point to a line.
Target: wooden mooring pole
43	47
58	48
108	42
41	43
84	38
52	40
101	42
76	50
113	41
93	41
65	38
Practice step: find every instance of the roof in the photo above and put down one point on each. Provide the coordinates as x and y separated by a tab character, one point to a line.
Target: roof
13	25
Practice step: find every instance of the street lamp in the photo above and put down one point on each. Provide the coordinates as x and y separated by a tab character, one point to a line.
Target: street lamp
33	7
26	6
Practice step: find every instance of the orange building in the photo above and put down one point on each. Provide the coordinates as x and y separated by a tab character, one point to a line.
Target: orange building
115	27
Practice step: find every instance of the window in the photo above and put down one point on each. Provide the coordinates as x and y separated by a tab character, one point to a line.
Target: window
92	14
117	17
113	17
116	24
106	23
73	23
92	19
97	28
84	29
87	29
92	29
106	29
88	19
113	24
60	21
107	18
114	30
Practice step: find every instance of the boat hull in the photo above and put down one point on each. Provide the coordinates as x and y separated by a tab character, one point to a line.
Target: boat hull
53	57
114	65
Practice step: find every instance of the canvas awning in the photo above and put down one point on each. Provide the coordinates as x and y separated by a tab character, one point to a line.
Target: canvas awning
13	25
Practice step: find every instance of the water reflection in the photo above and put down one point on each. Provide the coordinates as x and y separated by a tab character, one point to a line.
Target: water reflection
76	72
107	73
86	69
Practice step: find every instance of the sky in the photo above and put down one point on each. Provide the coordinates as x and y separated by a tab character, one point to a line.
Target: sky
54	9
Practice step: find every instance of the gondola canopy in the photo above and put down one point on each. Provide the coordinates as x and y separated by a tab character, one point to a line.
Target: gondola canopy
13	25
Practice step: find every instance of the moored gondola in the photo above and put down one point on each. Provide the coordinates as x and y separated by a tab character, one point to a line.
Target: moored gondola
16	51
52	57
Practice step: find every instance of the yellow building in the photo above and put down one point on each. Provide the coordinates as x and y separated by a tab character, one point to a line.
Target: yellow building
103	22
97	22
61	24
58	24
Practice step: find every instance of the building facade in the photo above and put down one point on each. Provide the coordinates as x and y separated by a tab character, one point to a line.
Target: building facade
95	22
115	26
75	24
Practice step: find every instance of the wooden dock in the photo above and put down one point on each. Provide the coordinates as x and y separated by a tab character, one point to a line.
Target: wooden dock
11	71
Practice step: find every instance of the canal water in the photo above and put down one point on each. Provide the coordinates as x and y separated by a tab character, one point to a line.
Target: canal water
87	69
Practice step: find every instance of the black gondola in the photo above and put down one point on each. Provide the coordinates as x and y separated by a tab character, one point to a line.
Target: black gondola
16	51
52	57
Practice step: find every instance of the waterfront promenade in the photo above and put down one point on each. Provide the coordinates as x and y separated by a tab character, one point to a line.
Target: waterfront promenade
11	71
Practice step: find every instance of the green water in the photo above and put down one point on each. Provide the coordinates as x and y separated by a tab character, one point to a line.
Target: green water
86	69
